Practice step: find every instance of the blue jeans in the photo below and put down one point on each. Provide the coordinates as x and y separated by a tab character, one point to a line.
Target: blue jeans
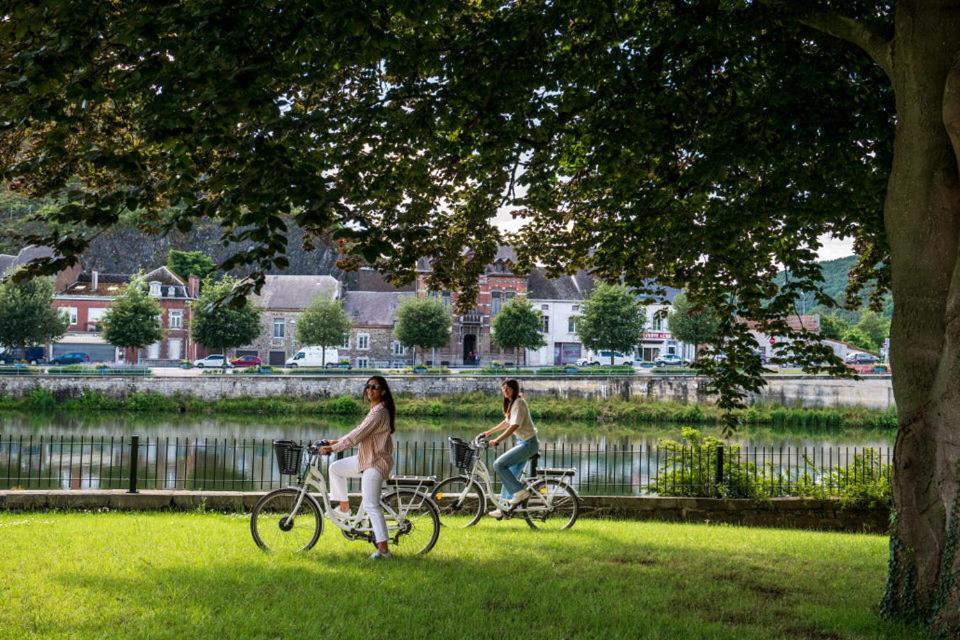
509	465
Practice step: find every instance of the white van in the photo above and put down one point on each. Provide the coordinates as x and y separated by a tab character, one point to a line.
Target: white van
314	357
603	358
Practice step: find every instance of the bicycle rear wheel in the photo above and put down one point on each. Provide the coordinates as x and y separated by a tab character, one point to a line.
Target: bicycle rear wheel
553	506
413	521
276	527
460	500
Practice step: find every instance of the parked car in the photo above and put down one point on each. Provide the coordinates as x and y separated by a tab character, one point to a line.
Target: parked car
861	358
247	361
74	357
314	357
216	360
603	357
30	355
670	360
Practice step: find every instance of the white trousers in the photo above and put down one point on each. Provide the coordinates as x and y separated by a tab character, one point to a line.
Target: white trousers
371	482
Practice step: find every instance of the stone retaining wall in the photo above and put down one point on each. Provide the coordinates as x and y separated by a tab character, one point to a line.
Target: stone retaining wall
787	513
874	392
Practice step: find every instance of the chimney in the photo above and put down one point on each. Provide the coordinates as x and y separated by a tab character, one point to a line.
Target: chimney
193	286
94	280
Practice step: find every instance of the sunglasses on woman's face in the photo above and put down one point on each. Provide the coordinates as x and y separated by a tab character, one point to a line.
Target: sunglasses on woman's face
374	386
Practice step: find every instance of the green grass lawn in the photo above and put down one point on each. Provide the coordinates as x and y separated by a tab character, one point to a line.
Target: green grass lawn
112	575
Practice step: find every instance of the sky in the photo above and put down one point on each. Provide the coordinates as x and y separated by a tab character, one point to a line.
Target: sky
832	247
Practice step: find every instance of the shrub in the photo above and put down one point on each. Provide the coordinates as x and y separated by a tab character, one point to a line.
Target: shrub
343	405
41	399
688	468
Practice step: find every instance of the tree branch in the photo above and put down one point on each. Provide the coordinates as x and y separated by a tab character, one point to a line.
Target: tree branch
869	38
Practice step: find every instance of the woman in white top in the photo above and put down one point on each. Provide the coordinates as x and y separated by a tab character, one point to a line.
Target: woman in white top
517	422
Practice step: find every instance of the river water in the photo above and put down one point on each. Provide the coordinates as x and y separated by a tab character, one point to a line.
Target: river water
81	451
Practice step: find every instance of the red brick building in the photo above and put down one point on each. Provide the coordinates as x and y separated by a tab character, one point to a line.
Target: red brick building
85	300
470	342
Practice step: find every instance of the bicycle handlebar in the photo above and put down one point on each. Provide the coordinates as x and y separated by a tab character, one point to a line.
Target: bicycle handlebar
316	444
480	441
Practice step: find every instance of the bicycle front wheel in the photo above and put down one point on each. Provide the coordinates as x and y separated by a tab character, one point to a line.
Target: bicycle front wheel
277	527
553	506
413	521
460	500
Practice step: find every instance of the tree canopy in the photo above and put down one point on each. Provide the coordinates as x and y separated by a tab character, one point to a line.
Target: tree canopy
611	318
188	263
422	322
518	326
27	315
133	319
693	326
324	324
223	326
707	145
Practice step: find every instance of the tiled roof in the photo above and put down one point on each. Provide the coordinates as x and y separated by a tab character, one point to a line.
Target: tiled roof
367	279
809	323
25	255
108	284
373	307
295	292
575	287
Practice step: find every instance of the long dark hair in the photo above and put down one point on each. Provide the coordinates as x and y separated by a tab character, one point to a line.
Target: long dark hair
385	397
514	394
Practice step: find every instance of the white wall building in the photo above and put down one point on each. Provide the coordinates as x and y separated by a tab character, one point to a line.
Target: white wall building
558	301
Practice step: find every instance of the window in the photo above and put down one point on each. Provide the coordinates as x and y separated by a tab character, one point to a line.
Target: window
94	316
546	324
495	302
447	299
362	363
659	320
70	313
279	325
346	341
155	289
363	341
544	307
176	319
572	324
576	307
397	348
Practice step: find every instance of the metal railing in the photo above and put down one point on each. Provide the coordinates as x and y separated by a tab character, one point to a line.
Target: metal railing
134	463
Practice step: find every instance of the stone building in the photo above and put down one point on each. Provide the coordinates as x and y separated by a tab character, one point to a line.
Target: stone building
371	342
281	300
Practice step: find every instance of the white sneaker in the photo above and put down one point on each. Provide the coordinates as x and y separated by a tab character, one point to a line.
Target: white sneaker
340	516
519	497
380	555
496	514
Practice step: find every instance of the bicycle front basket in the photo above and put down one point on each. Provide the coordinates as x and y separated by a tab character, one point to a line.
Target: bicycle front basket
289	455
462	453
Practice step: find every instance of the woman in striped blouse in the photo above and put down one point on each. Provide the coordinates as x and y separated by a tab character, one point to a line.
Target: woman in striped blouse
374	441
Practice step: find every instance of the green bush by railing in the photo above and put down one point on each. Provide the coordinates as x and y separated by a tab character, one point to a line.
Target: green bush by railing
18	370
674	371
95	370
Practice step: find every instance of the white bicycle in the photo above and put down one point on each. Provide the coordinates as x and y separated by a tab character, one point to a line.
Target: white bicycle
553	503
290	519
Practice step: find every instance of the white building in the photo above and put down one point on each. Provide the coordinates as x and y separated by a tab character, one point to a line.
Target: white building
558	301
657	339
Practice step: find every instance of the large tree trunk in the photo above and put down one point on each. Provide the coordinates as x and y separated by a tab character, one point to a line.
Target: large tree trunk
922	219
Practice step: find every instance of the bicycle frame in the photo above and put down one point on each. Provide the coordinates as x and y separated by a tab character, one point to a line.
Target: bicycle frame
357	524
537	503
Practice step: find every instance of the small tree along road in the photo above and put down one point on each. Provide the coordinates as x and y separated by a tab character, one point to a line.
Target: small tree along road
705	145
692	326
611	318
223	326
518	326
133	320
422	322
323	323
27	316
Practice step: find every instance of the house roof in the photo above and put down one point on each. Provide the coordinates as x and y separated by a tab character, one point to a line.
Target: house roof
369	279
567	287
295	292
373	307
108	284
502	262
809	323
25	255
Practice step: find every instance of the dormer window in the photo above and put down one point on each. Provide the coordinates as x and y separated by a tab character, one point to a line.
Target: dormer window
171	291
154	289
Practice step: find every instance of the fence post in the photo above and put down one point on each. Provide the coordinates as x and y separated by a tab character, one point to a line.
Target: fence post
134	456
718	473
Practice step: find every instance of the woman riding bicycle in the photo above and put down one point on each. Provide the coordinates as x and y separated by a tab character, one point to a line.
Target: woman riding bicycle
516	421
372	464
